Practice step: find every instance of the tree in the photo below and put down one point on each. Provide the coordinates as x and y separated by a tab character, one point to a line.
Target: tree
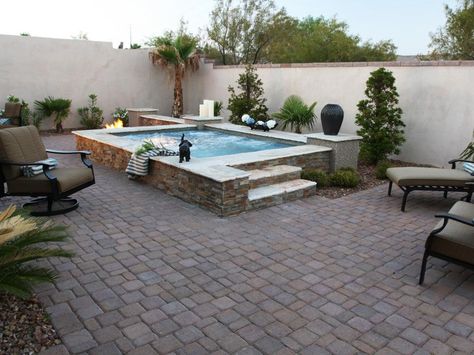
177	53
241	32
456	40
135	46
323	40
250	100
379	118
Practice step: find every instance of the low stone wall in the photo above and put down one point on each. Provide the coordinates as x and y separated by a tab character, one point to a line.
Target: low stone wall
319	160
148	121
223	198
112	157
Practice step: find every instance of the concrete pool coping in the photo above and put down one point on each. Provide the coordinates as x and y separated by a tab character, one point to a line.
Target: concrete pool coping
220	168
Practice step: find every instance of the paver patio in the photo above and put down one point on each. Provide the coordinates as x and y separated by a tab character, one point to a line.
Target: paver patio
154	274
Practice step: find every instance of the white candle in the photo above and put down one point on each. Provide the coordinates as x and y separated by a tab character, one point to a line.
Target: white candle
203	112
210	107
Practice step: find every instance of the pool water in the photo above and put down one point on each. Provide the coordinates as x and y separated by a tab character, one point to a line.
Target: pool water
206	143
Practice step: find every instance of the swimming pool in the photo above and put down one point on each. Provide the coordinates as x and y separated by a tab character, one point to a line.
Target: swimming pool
206	143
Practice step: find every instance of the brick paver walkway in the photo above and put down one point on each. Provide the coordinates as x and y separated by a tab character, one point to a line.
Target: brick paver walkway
154	274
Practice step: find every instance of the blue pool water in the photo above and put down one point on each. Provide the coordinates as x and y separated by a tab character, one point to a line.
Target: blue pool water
207	143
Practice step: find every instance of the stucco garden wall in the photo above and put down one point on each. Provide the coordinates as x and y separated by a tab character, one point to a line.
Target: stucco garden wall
437	98
33	68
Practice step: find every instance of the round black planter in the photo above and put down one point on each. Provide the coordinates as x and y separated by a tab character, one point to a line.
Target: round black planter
331	119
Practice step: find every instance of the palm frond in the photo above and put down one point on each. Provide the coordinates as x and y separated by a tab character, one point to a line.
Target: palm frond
296	114
23	240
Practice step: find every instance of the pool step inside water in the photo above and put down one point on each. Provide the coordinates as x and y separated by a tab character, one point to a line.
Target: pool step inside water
273	175
277	184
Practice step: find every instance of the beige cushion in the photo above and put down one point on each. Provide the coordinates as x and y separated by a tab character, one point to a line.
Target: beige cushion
456	240
20	144
413	176
68	178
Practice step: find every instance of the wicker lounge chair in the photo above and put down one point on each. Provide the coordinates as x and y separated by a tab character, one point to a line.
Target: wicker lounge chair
431	179
22	146
453	237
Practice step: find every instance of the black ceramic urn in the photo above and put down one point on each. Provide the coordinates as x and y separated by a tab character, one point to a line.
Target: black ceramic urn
331	119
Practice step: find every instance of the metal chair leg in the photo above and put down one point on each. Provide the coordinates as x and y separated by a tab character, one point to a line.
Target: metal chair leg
404	200
390	188
423	267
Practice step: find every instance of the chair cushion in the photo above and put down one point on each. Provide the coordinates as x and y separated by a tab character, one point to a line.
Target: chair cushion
456	240
68	179
414	176
20	144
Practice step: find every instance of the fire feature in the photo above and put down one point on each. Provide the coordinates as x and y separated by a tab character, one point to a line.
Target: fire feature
118	123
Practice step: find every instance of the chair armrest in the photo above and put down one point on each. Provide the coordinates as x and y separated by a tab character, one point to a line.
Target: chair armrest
4	162
83	153
454	161
453	217
45	166
54	151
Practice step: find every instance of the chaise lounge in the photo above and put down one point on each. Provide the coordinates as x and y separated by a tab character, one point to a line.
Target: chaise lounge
21	147
431	179
453	238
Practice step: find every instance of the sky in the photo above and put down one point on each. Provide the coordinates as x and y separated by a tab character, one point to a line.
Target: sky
406	22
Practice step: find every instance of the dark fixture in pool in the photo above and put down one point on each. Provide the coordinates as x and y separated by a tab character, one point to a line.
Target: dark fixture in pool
184	149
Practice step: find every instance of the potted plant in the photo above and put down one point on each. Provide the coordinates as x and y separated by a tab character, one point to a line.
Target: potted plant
13	108
296	114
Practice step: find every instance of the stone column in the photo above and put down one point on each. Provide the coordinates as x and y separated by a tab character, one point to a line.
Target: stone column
135	113
345	149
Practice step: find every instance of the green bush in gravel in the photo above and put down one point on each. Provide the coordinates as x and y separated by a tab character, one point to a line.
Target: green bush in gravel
316	175
381	169
345	177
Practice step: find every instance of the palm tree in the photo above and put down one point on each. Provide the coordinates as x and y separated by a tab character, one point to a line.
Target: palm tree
296	114
177	54
59	107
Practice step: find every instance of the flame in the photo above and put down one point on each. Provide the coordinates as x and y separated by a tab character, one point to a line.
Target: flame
118	123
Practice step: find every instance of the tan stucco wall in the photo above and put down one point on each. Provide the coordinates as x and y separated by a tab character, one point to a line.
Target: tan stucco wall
438	101
33	68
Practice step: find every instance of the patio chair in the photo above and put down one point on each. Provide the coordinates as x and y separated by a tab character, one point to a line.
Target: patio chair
11	116
431	179
22	146
453	237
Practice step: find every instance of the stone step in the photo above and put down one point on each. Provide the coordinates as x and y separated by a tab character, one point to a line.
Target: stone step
273	175
275	194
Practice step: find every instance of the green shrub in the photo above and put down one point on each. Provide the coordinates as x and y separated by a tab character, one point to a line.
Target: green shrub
316	175
36	119
296	114
346	177
380	118
250	100
381	169
91	116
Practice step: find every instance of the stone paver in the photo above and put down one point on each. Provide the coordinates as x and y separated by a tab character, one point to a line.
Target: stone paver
153	274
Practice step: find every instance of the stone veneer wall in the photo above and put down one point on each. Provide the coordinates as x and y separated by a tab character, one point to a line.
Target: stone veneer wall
318	160
143	121
223	198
